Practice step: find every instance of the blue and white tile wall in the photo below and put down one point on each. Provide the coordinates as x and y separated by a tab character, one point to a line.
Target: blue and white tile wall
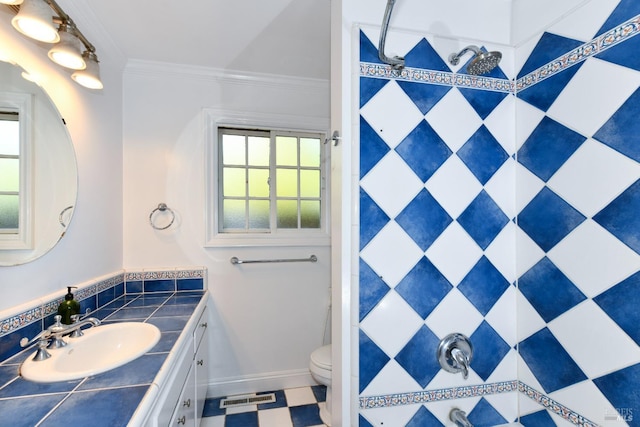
504	209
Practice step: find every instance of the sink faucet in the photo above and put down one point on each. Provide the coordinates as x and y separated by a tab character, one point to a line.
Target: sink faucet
55	333
459	417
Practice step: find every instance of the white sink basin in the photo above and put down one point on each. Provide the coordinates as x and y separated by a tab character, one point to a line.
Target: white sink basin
101	349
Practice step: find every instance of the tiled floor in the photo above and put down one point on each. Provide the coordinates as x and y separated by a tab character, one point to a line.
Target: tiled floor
296	407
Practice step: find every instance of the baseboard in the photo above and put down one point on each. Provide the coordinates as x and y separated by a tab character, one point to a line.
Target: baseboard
271	381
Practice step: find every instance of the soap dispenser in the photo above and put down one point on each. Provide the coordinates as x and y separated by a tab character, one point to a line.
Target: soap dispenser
68	307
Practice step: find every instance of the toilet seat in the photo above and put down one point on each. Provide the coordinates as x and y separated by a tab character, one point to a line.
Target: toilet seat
321	357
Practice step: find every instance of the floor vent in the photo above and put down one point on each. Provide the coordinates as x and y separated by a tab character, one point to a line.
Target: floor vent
231	402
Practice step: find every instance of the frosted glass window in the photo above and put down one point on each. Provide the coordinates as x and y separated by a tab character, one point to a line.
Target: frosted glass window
9	173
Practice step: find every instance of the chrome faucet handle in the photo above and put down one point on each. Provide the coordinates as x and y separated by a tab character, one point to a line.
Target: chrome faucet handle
462	361
57	330
42	353
75	318
454	354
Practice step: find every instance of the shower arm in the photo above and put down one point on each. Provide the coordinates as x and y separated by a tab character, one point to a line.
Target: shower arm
454	58
397	63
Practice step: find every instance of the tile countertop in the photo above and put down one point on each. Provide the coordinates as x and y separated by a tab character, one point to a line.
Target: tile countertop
109	399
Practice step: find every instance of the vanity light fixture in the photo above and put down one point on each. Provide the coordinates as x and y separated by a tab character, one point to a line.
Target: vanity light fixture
36	19
68	53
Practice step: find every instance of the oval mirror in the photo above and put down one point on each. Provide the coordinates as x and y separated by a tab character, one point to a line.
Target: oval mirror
38	171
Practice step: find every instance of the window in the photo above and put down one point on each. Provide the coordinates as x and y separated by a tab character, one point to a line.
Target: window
270	187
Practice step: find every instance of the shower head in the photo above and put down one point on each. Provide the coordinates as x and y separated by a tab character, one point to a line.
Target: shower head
482	62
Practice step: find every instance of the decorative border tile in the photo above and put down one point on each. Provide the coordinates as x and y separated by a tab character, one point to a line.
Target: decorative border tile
554	406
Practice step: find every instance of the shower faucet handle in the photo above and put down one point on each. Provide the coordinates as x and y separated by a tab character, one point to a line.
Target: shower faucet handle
455	353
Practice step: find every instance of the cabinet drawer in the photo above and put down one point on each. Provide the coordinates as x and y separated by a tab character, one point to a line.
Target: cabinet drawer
185	411
201	329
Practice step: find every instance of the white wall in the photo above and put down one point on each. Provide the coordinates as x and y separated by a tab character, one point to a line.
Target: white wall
267	318
92	245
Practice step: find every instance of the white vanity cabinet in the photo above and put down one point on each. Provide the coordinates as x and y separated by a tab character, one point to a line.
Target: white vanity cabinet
183	388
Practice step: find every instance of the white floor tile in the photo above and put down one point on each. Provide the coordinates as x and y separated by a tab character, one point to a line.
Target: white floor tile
217	421
300	396
278	417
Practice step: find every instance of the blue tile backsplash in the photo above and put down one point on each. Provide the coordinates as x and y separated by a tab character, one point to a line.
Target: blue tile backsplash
528	242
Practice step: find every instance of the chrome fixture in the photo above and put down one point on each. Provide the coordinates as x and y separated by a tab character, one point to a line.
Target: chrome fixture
36	19
397	62
162	207
481	63
55	333
454	354
235	260
459	417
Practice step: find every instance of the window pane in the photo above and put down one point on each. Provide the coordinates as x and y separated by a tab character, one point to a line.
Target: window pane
310	152
310	214
310	183
9	174
9	137
259	214
258	183
233	150
258	151
234	182
287	180
9	213
286	151
287	214
233	213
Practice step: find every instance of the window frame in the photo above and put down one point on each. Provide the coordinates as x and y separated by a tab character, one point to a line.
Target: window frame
216	119
22	104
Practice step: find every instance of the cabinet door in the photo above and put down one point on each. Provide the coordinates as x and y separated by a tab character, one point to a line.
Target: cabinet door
184	414
201	368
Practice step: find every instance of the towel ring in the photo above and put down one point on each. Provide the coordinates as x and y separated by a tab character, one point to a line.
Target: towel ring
162	207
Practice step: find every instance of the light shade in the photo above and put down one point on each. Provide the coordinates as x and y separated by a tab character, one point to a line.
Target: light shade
35	20
68	52
90	76
11	2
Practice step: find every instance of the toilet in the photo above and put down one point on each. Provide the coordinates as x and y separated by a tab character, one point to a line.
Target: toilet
320	367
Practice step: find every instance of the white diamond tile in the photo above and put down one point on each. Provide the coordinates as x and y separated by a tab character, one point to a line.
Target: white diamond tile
506	370
501	123
454	119
454	253
502	317
391	379
528	118
502	187
505	403
454	314
529	321
593	259
526	376
528	253
453	186
392	114
392	184
392	253
584	23
399	415
594	176
597	91
501	252
586	328
527	186
391	324
586	399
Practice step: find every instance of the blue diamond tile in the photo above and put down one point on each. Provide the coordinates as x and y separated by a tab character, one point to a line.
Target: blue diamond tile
548	147
368	51
483	154
538	419
621	304
621	218
424	287
485	415
623	54
483	101
488	350
483	286
544	93
413	357
372	289
621	389
424	219
549	47
550	363
372	360
625	10
425	96
362	422
424	151
547	219
621	130
548	290
424	418
422	55
372	147
369	87
372	218
483	219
